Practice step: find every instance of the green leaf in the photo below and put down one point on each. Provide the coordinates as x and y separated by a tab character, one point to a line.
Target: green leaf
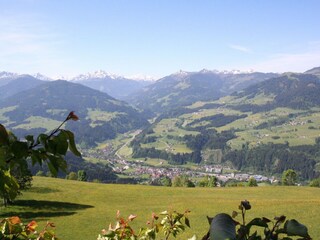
43	138
294	228
187	222
5	228
72	145
62	143
19	149
257	222
55	163
3	156
53	169
8	185
37	157
223	227
30	139
4	137
109	234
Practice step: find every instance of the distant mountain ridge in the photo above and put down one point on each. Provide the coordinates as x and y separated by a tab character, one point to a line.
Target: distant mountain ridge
116	86
297	91
44	106
184	88
18	84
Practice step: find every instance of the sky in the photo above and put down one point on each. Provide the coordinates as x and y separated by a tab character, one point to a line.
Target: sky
158	37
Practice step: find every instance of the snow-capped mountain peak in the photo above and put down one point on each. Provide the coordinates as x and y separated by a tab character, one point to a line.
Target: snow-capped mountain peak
141	77
8	75
97	74
41	77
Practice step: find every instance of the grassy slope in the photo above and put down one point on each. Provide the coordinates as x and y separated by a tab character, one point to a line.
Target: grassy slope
80	210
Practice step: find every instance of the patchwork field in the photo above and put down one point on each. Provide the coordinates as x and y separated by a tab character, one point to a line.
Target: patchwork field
80	210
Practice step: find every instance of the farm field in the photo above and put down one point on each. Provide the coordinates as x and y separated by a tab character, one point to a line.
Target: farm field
81	210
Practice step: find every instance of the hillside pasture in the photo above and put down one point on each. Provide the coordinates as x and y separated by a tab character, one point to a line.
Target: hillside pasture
80	210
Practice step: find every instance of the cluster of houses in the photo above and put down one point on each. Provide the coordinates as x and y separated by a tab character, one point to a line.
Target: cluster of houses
136	169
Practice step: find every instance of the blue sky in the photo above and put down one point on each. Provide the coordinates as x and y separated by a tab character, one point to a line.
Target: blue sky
158	37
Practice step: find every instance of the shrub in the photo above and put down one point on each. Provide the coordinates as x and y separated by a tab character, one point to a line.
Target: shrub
252	182
72	176
13	228
315	182
169	223
223	226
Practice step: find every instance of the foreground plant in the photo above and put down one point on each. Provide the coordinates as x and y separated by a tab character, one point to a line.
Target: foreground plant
223	226
167	224
15	154
13	228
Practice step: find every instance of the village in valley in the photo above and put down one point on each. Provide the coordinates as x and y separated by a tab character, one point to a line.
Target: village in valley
144	173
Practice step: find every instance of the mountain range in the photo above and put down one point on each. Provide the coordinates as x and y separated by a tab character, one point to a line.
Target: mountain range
267	127
248	120
184	88
43	107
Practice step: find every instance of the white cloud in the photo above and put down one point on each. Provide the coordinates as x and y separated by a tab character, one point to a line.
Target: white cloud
295	62
240	48
27	45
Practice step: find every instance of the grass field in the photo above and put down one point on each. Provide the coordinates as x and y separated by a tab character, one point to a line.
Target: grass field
80	210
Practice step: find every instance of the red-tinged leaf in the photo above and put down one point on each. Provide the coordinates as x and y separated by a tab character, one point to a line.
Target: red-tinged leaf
72	116
14	220
154	216
32	226
131	217
51	224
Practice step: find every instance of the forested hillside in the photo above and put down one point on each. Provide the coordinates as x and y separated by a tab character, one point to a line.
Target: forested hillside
184	88
41	108
267	127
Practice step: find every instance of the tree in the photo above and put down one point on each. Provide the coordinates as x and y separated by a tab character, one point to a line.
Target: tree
72	176
166	181
289	177
252	182
315	182
82	176
182	181
177	182
15	154
208	181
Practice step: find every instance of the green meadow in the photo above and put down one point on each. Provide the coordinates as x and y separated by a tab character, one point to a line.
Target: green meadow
81	210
